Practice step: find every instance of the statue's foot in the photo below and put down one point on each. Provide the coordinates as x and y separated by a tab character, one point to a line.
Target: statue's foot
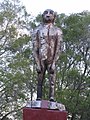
52	99
38	99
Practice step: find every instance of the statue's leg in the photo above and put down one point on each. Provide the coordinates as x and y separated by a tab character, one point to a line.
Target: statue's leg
52	77
40	83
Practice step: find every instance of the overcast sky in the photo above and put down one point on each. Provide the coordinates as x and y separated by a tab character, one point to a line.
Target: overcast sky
60	6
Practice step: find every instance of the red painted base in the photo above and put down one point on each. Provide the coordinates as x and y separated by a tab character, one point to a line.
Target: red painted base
43	114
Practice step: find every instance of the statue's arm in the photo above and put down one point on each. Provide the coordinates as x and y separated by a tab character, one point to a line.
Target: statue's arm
58	46
36	55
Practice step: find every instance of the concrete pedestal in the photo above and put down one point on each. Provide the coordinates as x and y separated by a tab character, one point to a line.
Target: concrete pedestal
43	114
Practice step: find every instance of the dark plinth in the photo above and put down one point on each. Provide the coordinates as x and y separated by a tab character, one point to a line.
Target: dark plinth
43	114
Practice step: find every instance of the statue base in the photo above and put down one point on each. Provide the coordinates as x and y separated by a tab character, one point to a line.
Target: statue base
45	104
44	110
43	114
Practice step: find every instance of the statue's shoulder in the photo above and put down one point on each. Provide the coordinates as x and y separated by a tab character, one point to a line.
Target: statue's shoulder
39	27
58	30
36	30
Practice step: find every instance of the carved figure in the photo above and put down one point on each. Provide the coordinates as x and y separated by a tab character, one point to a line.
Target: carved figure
47	40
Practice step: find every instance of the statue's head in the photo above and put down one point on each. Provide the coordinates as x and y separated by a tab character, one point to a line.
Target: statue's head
48	16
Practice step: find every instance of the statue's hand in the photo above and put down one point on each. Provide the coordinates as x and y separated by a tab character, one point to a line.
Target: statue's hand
52	68
39	68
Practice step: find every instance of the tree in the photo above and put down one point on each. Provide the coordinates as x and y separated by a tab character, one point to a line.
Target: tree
73	68
15	58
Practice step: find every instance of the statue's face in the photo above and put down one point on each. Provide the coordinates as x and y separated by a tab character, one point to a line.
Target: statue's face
48	16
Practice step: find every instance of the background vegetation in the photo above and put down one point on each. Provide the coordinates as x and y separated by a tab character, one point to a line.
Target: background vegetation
17	69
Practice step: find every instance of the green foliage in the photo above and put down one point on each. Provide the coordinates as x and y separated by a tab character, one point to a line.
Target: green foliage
15	59
72	85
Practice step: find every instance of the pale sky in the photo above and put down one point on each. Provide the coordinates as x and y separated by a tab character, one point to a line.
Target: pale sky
35	7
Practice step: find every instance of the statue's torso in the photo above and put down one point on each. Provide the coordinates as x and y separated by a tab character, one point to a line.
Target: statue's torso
48	35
